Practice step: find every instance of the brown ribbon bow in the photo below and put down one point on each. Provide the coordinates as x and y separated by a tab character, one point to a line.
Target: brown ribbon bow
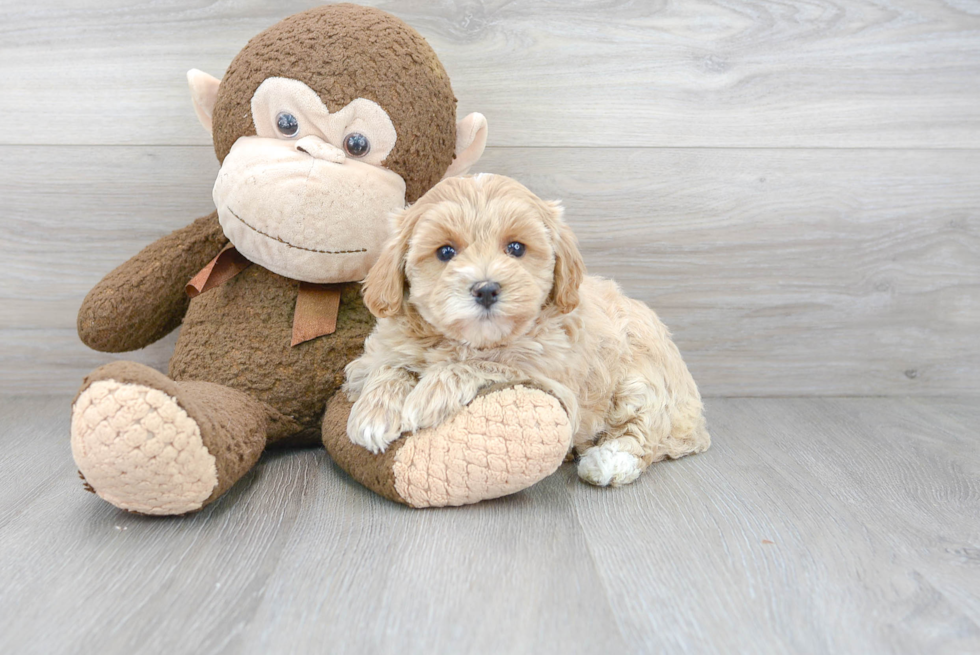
317	305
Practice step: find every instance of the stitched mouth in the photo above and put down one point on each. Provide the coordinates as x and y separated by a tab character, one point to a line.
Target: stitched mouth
293	245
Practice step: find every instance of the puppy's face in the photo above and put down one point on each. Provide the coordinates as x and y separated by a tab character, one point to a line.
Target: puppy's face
480	271
480	257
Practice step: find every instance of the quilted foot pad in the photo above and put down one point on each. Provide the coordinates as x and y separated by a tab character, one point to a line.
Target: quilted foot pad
140	450
502	443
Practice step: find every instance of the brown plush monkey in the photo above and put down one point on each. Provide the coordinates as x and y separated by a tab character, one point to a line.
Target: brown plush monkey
323	125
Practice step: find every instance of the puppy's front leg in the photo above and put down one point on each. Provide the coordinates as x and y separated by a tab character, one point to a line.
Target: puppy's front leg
444	389
376	416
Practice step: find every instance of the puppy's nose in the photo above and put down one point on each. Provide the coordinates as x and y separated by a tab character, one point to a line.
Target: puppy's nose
485	293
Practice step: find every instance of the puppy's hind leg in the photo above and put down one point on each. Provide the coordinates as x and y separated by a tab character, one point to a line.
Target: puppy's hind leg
636	421
645	424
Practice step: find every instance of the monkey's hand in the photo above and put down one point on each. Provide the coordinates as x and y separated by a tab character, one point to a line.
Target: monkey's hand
375	418
143	299
444	389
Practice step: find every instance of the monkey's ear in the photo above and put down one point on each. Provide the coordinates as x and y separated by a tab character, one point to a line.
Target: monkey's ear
471	139
204	93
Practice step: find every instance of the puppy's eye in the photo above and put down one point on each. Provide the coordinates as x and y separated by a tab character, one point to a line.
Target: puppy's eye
287	124
445	253
515	249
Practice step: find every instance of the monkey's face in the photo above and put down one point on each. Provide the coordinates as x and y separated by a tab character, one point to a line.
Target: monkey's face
324	124
308	196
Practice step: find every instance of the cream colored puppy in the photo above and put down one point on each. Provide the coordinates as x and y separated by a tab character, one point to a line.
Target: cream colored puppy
483	283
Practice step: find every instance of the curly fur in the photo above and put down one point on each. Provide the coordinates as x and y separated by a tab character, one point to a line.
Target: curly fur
631	399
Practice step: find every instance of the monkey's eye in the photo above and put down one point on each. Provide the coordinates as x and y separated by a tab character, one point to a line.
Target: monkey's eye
445	253
287	124
516	249
356	144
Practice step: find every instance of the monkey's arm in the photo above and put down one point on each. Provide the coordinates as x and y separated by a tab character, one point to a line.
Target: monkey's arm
502	442
143	300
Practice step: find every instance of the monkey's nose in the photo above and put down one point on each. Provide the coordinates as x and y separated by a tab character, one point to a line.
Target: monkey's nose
317	147
485	293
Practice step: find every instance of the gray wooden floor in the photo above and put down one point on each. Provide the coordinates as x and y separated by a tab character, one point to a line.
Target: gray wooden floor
811	526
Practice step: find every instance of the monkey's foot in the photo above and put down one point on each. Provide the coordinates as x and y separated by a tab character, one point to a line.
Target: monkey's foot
139	450
153	445
504	441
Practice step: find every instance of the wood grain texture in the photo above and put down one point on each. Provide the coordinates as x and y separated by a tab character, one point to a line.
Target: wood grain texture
837	526
811	526
890	73
780	272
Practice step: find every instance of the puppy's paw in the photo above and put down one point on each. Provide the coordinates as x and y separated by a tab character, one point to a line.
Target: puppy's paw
609	465
434	400
424	411
373	425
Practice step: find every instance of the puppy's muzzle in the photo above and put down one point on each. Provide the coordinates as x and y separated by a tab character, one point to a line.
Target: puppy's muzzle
485	293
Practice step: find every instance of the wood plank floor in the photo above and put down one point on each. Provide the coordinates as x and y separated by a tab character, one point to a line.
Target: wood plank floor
811	526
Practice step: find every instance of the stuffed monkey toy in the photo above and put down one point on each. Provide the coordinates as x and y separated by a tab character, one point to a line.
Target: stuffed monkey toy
324	124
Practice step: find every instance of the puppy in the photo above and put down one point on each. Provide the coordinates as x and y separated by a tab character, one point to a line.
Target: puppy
483	283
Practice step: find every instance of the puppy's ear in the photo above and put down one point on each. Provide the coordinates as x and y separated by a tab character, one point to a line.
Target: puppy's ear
384	286
569	265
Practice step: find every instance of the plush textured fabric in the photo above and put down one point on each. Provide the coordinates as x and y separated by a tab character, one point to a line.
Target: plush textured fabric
318	129
376	472
304	218
506	440
239	335
132	442
143	300
412	86
233	428
204	93
471	131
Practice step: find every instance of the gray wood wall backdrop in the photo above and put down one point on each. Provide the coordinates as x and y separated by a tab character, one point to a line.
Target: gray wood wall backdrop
794	187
